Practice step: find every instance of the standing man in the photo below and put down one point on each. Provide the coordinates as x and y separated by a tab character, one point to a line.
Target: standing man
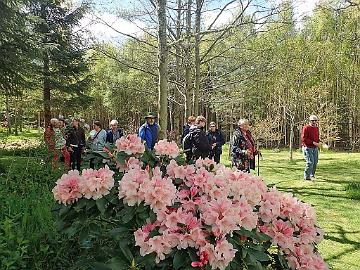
149	131
75	143
114	133
216	140
310	147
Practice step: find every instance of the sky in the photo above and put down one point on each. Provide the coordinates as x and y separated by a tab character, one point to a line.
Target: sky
105	10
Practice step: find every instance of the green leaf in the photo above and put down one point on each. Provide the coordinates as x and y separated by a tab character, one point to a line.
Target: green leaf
126	251
101	205
260	256
180	258
119	231
118	264
95	229
127	213
84	235
90	204
80	204
99	266
121	157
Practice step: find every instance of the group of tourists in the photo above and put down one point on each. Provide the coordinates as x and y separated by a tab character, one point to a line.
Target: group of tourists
69	141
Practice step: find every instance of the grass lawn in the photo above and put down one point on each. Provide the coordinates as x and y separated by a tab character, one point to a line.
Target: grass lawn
337	214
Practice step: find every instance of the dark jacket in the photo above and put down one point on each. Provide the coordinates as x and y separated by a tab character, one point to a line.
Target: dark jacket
109	135
75	137
200	144
149	134
239	149
186	130
218	138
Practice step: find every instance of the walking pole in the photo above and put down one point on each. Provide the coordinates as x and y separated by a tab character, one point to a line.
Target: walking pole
258	163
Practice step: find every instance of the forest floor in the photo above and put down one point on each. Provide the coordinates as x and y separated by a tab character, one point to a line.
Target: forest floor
26	200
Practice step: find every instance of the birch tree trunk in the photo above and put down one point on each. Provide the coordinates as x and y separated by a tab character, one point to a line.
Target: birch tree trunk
163	68
197	55
187	59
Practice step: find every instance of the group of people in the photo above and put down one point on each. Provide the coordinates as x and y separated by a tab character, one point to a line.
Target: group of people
70	140
200	144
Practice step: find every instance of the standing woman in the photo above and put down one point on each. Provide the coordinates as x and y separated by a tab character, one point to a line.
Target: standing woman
243	149
75	141
216	140
60	147
97	140
49	138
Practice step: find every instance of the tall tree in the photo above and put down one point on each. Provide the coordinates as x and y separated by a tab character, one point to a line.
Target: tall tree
162	68
61	49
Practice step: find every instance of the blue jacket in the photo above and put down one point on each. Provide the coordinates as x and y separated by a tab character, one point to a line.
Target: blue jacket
109	135
149	134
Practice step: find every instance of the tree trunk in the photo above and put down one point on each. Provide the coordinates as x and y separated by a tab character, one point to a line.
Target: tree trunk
176	113
46	90
7	112
187	59
197	55
163	68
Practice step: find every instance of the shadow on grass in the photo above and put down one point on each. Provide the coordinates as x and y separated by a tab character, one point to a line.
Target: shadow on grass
304	191
342	239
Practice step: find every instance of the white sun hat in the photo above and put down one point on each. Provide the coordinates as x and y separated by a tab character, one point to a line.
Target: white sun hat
313	117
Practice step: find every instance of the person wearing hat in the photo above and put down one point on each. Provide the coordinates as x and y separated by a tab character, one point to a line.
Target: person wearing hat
75	142
310	147
149	131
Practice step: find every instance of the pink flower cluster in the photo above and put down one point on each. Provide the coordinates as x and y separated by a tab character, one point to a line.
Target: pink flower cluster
67	189
131	145
291	224
165	148
96	183
91	184
212	200
137	186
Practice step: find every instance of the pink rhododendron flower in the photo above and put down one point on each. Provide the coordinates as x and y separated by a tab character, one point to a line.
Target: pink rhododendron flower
129	187
131	145
165	148
158	192
67	189
96	183
219	255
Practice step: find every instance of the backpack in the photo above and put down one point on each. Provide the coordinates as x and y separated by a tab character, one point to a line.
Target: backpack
187	144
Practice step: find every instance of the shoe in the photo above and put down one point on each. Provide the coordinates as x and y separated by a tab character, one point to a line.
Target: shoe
312	176
307	179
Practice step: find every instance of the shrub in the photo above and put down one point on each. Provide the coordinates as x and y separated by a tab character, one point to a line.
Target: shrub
153	213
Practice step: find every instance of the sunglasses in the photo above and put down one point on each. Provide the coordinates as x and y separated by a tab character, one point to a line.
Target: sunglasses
313	120
212	126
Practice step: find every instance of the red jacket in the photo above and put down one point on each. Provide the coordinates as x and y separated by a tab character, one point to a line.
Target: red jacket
309	135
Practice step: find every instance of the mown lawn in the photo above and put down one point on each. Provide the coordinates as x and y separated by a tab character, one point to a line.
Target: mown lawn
337	213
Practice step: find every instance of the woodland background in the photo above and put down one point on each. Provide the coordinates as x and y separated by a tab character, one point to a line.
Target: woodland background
263	62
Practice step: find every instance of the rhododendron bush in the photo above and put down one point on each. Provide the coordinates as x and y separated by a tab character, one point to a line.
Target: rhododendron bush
148	210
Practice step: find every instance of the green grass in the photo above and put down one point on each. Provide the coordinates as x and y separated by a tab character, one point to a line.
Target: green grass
337	213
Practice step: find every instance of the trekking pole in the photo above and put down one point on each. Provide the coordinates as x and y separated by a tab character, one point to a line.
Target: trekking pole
258	163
